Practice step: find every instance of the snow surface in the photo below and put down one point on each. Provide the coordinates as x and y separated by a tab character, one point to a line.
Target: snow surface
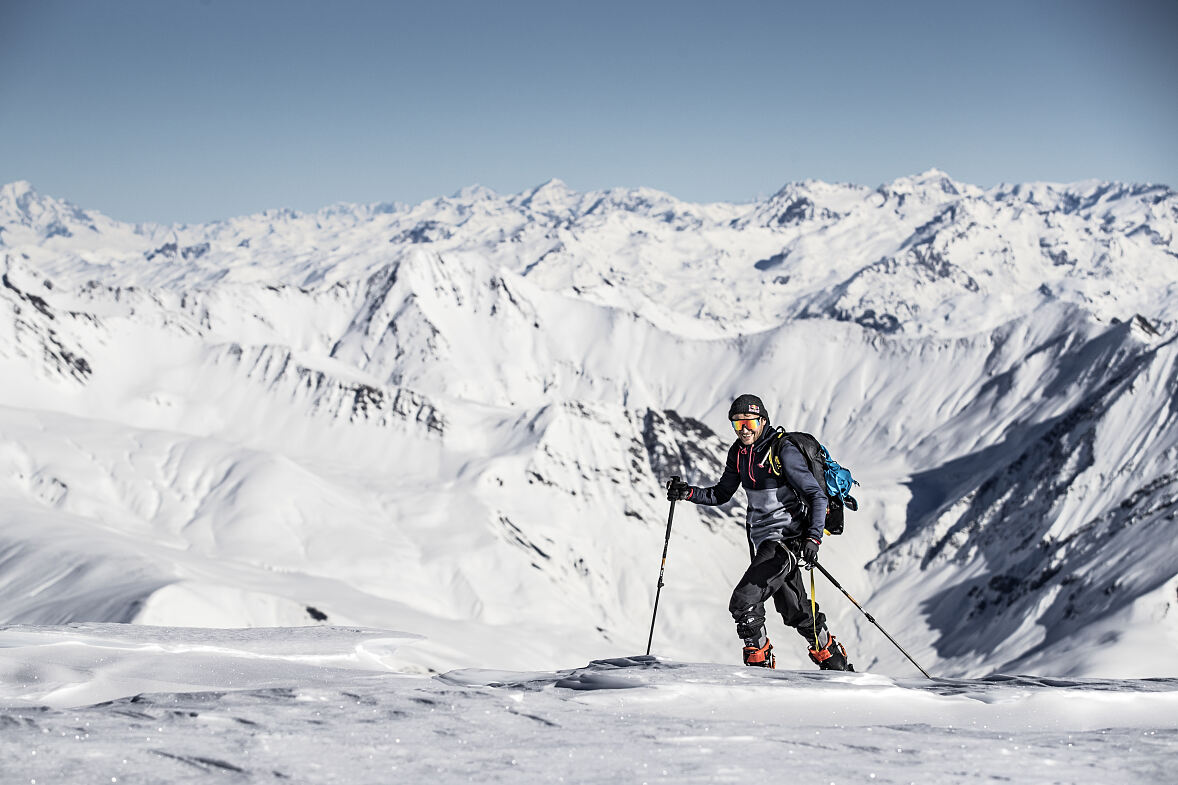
317	706
454	419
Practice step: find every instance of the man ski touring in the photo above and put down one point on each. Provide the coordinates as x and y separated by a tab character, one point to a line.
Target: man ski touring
785	521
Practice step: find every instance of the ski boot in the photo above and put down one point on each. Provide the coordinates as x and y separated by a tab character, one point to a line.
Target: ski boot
760	656
832	656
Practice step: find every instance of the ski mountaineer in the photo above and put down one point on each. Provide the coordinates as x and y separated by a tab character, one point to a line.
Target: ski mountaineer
785	521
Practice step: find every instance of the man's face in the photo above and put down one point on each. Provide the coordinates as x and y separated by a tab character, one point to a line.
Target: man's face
748	427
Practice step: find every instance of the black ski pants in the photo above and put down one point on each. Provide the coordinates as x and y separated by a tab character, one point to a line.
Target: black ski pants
773	573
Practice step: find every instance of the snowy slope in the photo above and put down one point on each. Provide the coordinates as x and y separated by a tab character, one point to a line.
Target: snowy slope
454	418
320	706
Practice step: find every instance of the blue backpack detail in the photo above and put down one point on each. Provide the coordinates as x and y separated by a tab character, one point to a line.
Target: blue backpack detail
838	479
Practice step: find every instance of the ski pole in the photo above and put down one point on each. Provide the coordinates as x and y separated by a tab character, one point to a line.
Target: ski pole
659	589
870	618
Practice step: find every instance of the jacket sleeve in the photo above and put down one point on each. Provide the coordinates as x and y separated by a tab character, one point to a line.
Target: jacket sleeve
722	491
802	480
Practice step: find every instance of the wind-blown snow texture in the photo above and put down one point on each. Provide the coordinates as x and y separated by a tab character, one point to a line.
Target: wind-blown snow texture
454	419
318	705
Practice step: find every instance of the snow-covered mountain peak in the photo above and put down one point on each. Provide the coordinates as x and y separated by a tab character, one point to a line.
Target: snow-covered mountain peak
799	202
549	196
475	193
22	205
932	177
17	189
930	188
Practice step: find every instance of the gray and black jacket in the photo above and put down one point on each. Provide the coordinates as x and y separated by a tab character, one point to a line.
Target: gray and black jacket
780	507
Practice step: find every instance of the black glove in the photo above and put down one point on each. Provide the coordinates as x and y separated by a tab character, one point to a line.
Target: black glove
677	490
810	552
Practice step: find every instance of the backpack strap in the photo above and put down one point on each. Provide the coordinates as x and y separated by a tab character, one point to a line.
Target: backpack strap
772	456
811	451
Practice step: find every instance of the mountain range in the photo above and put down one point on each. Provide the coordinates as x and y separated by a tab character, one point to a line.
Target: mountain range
454	419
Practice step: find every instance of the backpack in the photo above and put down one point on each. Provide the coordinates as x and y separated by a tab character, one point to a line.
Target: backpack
836	479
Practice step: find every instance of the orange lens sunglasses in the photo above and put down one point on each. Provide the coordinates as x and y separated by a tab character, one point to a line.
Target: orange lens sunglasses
747	424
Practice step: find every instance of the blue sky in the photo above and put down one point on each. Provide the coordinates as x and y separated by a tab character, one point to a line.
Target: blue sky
193	110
